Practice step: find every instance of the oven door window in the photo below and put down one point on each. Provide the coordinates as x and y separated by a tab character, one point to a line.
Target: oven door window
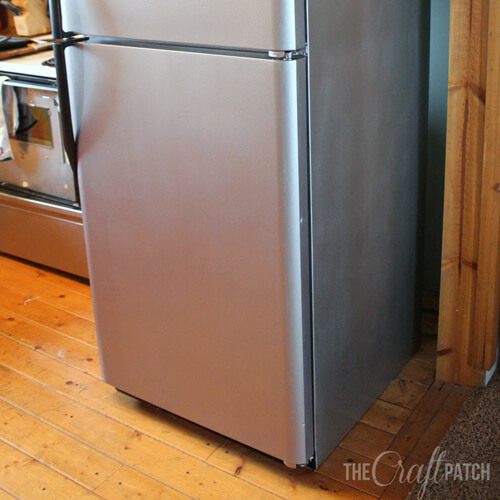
34	125
39	165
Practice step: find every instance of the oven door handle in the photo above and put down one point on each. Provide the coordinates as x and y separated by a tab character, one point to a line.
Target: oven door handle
26	85
62	40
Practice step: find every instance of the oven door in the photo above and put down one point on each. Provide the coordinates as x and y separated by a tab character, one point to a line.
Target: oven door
39	166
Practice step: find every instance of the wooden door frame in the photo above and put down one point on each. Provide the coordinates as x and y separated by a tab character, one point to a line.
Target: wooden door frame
470	275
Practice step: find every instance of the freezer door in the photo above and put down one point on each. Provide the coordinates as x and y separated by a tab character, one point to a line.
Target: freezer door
189	168
244	24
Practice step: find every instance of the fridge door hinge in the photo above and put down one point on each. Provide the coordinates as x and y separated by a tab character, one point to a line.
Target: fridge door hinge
71	40
287	55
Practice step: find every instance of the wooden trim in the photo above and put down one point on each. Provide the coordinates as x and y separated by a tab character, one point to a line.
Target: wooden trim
470	261
484	346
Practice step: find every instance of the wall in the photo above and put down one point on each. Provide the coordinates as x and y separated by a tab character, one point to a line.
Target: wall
438	96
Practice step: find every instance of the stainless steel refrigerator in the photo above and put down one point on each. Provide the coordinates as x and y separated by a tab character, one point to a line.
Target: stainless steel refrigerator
249	175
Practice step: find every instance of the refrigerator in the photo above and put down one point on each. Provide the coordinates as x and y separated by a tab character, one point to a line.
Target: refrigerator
249	175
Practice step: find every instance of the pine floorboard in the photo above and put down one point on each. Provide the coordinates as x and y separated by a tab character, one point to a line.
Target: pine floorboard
64	433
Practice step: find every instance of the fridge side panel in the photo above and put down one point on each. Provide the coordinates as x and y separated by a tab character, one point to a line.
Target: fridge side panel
244	24
190	177
366	80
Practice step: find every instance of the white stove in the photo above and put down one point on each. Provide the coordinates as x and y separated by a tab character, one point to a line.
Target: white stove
30	65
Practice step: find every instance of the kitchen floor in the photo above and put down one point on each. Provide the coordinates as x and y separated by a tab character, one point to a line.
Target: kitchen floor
64	433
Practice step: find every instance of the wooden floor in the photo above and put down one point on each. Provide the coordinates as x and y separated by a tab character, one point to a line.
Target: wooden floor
66	434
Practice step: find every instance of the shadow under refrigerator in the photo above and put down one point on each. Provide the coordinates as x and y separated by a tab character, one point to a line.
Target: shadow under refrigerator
249	174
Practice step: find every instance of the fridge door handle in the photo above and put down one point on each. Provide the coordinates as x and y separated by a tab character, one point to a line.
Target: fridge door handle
62	40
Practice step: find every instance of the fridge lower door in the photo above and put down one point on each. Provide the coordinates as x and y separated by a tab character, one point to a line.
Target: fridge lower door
190	169
244	24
